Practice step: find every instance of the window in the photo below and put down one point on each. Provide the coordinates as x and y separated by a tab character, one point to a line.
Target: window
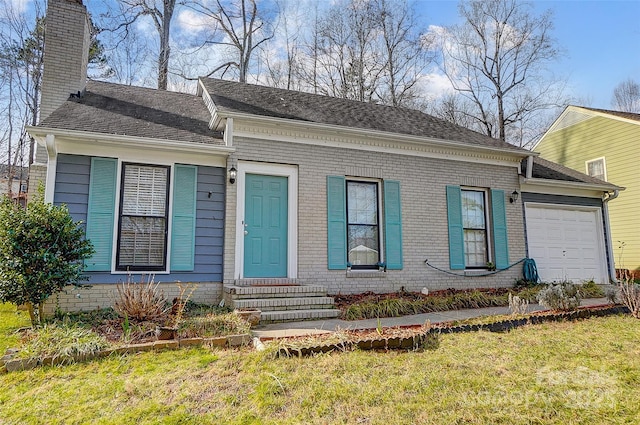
142	233
477	228
474	225
360	216
596	168
363	236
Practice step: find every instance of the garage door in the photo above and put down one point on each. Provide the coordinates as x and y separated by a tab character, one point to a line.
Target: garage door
567	243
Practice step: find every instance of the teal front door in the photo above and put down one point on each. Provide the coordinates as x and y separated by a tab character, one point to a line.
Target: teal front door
265	226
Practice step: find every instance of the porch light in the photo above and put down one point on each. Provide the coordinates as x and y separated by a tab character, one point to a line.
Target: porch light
233	173
514	196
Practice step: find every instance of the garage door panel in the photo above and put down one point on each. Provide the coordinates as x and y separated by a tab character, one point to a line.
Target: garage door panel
566	243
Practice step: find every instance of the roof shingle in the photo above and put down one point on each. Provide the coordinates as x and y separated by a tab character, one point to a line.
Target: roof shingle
136	111
229	96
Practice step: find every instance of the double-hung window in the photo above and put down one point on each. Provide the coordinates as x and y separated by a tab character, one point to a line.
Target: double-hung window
142	232
363	232
477	228
362	217
474	223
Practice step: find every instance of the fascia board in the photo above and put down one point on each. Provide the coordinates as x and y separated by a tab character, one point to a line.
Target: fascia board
561	187
376	134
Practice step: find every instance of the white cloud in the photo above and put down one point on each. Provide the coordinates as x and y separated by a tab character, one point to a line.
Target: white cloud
192	23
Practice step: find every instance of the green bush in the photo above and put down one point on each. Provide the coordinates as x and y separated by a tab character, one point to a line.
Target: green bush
41	251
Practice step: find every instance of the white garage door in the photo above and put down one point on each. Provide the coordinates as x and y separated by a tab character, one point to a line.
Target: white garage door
567	243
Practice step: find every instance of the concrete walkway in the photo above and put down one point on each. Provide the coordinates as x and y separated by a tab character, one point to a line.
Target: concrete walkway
311	327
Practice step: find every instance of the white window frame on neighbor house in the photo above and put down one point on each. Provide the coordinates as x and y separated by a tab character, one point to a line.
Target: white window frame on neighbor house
281	170
487	227
595	160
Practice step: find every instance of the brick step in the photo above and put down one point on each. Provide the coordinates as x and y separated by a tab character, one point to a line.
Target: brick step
297	315
235	292
266	281
273	304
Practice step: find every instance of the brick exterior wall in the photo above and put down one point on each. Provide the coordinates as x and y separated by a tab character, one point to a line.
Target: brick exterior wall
37	175
104	295
67	39
424	214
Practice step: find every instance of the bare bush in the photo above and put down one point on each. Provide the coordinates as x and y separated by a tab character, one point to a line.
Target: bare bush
517	305
141	301
630	296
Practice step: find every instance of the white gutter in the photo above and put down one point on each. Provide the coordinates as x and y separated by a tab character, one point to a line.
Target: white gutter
529	166
608	196
40	134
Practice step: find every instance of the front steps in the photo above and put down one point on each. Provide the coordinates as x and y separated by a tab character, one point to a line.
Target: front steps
282	303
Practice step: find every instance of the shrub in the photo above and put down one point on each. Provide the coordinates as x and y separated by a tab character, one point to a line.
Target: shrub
141	301
517	305
62	341
560	296
591	289
630	296
41	251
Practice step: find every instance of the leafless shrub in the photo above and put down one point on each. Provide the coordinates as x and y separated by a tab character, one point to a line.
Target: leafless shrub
630	296
141	301
517	305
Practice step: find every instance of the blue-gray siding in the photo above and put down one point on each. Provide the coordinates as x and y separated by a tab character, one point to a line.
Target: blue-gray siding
72	188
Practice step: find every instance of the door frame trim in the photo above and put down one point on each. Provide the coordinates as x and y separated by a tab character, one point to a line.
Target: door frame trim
599	228
269	169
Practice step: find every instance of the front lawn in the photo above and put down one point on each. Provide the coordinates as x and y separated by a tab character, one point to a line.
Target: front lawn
560	373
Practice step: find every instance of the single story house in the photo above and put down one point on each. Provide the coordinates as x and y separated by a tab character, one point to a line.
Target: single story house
253	191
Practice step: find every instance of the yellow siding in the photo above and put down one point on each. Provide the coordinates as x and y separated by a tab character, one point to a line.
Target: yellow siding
619	143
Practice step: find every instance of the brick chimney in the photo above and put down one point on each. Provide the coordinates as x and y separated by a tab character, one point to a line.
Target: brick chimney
66	51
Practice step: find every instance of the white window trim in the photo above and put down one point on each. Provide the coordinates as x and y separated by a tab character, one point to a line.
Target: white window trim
488	215
289	171
380	194
604	166
116	216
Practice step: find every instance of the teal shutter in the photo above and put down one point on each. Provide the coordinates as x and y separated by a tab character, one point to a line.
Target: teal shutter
336	223
183	220
101	211
456	231
392	225
500	236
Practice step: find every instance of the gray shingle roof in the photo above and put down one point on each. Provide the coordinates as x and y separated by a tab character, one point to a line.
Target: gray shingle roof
229	96
543	169
627	115
136	111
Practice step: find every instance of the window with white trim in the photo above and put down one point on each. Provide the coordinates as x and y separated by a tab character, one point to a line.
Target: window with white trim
363	229
142	229
474	224
596	168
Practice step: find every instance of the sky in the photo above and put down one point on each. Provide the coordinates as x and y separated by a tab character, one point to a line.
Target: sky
600	40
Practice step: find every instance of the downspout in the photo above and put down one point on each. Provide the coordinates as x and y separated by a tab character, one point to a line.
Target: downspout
529	166
608	196
50	182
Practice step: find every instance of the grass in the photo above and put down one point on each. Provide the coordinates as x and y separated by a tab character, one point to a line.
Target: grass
585	372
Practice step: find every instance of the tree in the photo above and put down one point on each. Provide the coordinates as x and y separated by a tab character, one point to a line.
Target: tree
626	96
239	26
161	13
41	251
496	59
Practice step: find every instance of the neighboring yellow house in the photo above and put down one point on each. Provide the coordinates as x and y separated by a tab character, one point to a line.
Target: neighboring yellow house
604	144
